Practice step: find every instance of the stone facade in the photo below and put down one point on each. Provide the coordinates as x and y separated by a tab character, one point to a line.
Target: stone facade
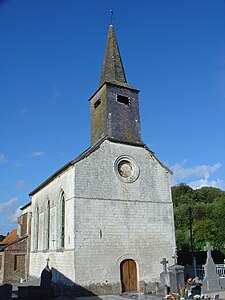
105	220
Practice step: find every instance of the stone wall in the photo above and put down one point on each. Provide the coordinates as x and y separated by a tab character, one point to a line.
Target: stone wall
109	218
116	220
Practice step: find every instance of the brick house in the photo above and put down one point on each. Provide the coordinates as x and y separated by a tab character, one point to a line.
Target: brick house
14	250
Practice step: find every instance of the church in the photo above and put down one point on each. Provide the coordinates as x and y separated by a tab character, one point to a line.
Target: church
105	219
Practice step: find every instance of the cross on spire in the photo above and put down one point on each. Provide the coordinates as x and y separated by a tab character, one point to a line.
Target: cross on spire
111	16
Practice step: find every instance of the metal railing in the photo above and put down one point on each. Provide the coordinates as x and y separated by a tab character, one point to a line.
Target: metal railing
220	270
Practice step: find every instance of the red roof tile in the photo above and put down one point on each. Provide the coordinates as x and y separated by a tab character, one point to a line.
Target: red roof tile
11	237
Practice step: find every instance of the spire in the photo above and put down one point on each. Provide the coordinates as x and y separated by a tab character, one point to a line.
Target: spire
112	68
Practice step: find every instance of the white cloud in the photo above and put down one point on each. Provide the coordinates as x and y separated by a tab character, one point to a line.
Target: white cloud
24	111
202	171
5	206
18	164
38	153
10	210
56	92
20	184
12	218
2	158
218	183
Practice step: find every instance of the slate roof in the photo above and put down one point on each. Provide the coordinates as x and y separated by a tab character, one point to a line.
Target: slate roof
112	67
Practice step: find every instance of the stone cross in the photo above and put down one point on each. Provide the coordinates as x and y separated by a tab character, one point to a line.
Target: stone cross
48	260
175	256
208	248
164	262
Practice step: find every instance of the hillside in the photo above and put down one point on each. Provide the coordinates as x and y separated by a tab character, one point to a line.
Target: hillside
204	209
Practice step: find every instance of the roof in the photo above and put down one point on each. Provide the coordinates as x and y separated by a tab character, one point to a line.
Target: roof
25	206
11	237
112	67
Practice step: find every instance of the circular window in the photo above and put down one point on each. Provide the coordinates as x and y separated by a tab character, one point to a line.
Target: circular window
126	169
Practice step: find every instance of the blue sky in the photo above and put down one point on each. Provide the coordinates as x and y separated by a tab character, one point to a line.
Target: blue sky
51	54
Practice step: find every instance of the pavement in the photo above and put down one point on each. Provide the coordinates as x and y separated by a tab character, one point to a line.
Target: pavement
138	296
129	296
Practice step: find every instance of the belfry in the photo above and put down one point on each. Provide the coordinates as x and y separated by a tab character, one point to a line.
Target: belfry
114	106
105	219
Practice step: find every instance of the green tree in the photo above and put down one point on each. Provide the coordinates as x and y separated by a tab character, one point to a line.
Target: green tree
208	212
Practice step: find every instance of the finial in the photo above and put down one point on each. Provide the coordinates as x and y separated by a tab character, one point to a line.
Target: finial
111	16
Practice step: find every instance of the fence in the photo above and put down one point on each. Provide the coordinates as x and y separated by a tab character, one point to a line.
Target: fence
220	270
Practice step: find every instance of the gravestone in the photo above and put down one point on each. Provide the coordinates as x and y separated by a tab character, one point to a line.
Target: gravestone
46	278
176	275
164	277
176	278
172	279
211	281
6	292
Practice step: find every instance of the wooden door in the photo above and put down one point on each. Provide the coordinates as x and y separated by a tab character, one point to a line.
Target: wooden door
128	271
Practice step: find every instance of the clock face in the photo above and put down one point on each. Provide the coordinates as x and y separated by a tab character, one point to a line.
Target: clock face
126	169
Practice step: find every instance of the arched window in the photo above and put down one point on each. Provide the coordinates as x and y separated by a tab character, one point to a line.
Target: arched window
48	225
36	233
62	223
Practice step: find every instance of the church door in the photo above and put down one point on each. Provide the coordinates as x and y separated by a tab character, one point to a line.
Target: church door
128	271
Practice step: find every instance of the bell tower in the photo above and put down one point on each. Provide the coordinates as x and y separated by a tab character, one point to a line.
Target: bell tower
114	106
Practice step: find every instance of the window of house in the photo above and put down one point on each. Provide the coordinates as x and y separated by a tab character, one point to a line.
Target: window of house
123	99
0	262
48	225
62	236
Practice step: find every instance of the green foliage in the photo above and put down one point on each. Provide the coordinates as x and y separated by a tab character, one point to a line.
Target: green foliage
1	237
207	207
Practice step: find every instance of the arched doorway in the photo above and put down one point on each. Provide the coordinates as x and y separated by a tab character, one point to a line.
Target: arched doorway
128	273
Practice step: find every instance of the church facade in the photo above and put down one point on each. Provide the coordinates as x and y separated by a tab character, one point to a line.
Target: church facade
105	220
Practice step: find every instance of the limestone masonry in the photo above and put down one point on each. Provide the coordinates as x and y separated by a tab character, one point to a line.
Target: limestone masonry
105	220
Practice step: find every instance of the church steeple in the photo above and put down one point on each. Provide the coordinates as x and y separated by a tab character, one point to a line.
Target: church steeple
112	68
114	106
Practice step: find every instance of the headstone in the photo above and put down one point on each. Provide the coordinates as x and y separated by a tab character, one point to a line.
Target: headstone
6	292
211	281
176	278
164	278
46	277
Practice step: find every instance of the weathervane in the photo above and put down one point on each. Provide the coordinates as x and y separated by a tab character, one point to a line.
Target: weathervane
111	16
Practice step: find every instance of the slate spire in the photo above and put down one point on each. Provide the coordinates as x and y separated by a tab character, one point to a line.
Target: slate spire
112	68
114	106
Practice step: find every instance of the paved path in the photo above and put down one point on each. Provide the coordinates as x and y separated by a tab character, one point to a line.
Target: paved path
136	296
133	297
